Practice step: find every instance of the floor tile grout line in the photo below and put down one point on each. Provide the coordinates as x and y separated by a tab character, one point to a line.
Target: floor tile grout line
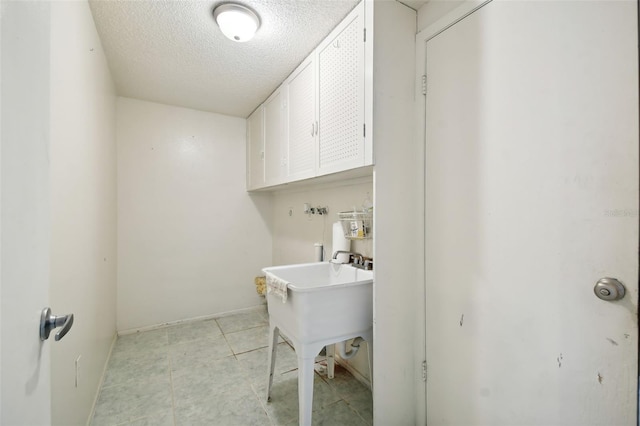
363	419
218	324
243	329
247	378
224	336
246	329
249	351
262	404
352	408
173	397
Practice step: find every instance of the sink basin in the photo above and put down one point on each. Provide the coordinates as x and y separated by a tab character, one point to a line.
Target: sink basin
326	303
325	300
308	276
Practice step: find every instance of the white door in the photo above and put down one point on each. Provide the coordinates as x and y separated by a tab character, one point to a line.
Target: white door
24	220
531	198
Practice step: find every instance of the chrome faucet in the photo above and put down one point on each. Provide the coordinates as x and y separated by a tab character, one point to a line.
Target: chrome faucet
350	253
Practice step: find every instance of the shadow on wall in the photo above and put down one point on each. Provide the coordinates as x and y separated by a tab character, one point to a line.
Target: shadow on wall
263	204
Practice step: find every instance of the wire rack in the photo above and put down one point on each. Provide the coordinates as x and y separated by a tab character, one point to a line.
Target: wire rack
357	225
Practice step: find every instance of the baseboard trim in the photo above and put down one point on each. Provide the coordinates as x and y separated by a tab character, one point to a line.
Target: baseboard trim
190	320
101	382
355	373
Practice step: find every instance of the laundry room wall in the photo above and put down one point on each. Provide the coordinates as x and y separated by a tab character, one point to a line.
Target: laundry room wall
83	210
190	238
295	232
434	10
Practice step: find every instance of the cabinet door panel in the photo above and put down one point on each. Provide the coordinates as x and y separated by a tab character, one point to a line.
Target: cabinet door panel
255	149
274	140
301	122
341	97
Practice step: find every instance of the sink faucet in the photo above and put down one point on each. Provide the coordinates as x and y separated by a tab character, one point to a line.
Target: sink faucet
351	253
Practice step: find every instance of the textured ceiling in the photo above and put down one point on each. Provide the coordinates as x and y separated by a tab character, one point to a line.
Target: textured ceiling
173	52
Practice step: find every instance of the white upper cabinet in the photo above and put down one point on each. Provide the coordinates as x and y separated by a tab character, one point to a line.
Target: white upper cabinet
314	123
341	138
301	121
255	149
275	147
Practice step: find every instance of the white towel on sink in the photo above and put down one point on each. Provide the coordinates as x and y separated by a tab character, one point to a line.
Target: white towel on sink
277	286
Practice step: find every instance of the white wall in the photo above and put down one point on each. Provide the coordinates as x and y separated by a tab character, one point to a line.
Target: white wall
83	209
295	235
398	220
434	10
190	238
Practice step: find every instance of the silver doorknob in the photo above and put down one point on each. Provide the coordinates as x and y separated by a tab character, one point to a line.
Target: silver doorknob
609	289
48	322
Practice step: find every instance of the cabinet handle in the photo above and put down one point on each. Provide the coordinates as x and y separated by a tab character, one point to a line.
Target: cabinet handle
312	129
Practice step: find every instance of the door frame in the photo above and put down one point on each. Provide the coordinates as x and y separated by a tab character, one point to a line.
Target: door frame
422	37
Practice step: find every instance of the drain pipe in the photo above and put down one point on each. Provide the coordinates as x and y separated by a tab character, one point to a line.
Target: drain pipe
353	350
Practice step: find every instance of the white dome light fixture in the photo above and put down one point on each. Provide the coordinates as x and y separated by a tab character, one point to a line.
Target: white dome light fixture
237	22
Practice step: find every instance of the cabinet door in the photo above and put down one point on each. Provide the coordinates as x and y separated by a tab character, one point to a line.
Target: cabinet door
341	96
301	123
275	155
255	149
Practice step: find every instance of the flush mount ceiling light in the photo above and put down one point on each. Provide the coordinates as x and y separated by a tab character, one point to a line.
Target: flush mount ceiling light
237	22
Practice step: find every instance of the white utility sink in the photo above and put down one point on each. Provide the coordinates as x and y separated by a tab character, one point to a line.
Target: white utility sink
326	303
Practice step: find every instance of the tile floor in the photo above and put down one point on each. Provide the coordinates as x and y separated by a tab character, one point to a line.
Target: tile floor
214	372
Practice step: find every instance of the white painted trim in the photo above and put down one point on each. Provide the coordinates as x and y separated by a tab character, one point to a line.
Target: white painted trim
1	211
101	382
420	315
369	155
190	320
449	19
422	38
